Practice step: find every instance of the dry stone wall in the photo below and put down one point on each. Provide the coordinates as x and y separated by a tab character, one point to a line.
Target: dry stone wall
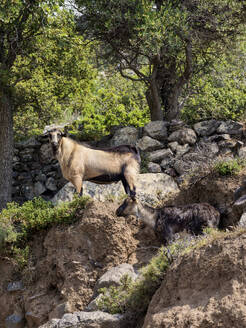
172	148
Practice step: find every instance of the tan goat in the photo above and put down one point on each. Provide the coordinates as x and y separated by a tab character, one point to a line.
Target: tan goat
80	163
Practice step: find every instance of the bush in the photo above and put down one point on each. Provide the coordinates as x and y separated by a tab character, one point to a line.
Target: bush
17	223
231	167
134	296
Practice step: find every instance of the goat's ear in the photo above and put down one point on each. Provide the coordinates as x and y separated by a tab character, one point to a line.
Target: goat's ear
65	132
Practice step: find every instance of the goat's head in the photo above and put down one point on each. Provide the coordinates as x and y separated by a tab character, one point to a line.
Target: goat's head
128	207
55	137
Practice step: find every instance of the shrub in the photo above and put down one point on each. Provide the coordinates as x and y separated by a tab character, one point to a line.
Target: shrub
230	167
17	223
134	296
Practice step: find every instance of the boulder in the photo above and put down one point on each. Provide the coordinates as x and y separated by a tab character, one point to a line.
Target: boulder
113	276
150	187
230	127
156	130
183	136
242	152
154	167
127	135
95	319
15	321
51	184
158	155
178	149
206	128
148	144
46	154
15	286
39	188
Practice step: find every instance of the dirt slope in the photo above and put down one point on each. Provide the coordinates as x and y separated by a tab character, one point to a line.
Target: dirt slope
66	262
203	289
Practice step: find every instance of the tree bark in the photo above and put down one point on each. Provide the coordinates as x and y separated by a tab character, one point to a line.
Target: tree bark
153	97
6	148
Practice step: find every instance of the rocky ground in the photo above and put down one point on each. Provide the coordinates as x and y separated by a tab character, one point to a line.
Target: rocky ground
203	289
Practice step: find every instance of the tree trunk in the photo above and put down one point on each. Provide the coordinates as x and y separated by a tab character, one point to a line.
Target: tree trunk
154	102
6	148
172	108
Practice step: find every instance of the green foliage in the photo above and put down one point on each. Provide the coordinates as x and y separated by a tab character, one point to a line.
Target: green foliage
113	101
230	167
52	82
17	223
165	43
220	93
134	296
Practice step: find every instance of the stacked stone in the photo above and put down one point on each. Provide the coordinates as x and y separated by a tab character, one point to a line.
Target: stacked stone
167	147
35	171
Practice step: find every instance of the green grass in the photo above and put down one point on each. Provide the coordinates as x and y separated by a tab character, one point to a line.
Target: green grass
230	167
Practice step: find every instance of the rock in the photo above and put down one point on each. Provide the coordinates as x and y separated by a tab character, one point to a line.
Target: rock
30	143
206	128
127	135
207	149
149	187
15	321
40	177
113	276
159	155
39	188
230	127
183	136
28	191
155	187
242	222
203	289
60	310
176	125
51	184
92	306
26	155
154	167
217	137
242	152
190	162
15	286
156	130
53	323
65	194
148	144
96	319
46	154
178	149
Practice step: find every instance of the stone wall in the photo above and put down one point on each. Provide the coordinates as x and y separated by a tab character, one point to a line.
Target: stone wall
171	148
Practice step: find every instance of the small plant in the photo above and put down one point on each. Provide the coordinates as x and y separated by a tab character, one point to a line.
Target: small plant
231	167
134	296
17	223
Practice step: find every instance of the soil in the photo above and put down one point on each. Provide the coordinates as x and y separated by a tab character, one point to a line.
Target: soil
203	289
66	261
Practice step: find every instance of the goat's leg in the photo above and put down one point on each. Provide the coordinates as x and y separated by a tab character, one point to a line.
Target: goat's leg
129	177
78	184
126	186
